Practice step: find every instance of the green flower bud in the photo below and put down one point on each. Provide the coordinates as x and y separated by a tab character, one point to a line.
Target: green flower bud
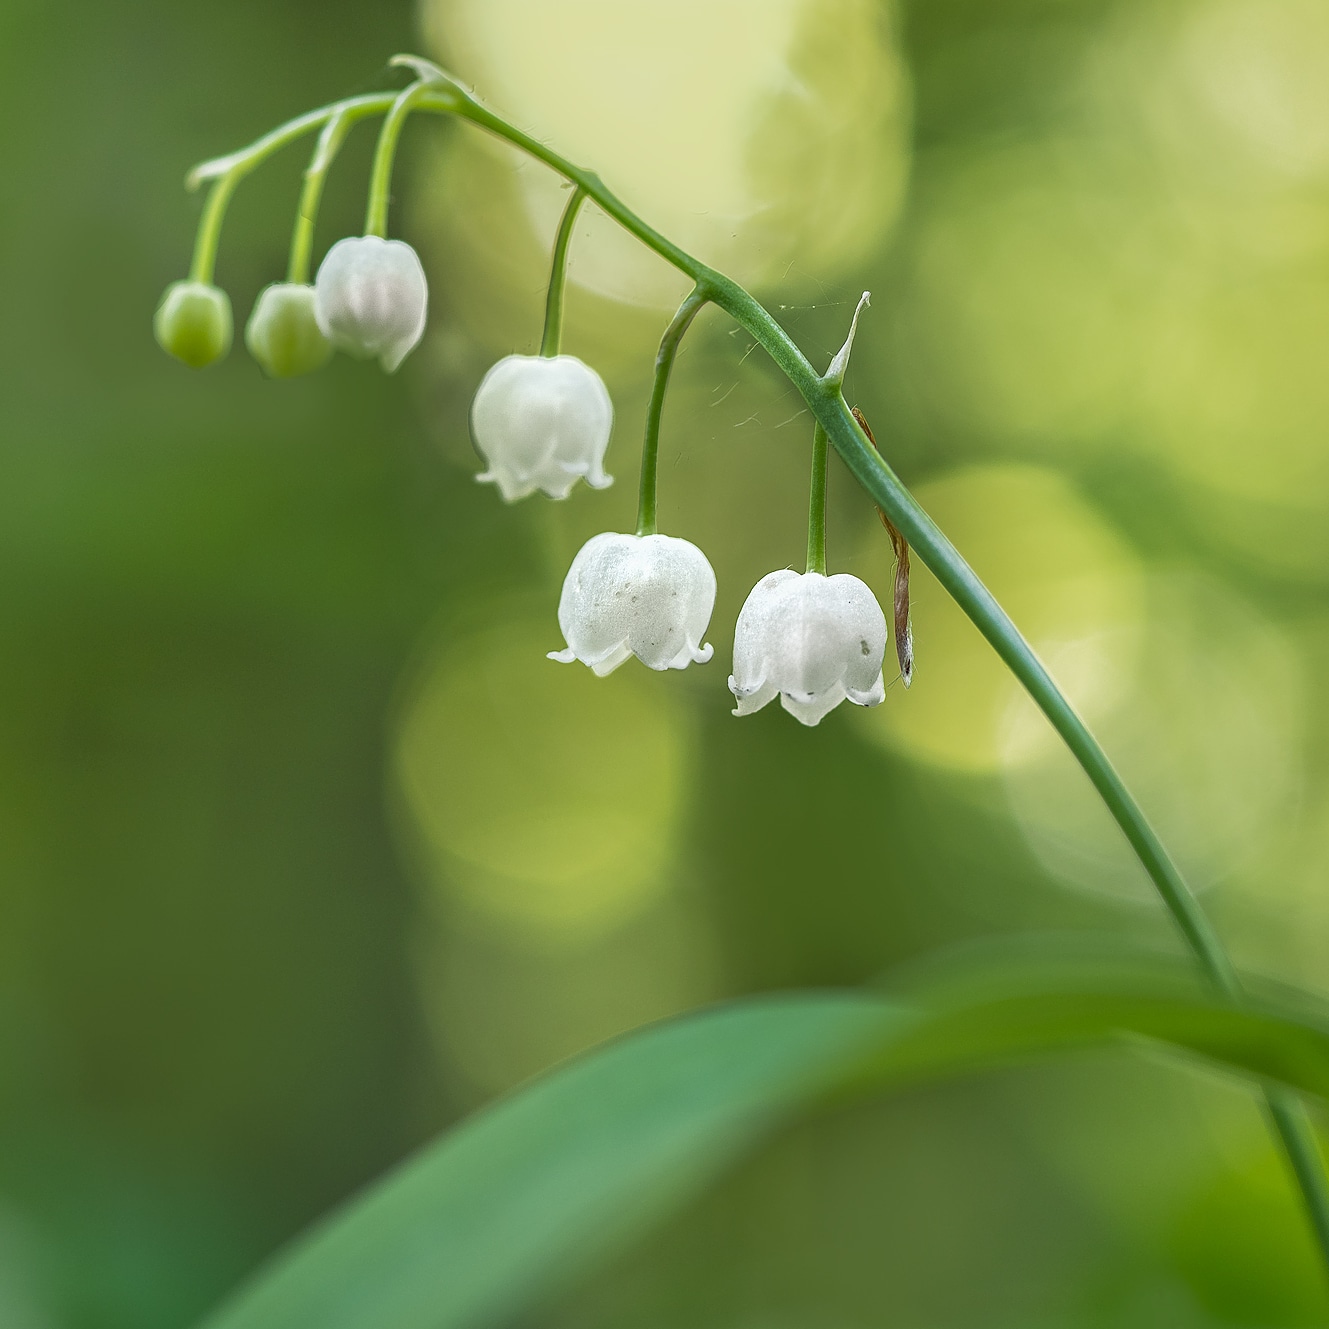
282	333
193	323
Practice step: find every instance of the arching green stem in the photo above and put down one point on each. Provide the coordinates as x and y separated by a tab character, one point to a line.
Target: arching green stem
316	173
817	502
247	158
1286	1113
827	405
1294	1131
650	448
552	339
380	180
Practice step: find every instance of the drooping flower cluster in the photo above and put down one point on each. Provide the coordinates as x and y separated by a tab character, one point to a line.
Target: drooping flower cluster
813	641
543	422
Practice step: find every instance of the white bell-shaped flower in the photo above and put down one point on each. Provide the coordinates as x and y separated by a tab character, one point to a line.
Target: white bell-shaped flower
370	298
542	422
812	640
645	595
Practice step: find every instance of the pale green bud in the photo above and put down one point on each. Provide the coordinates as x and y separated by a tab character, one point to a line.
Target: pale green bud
193	323
283	334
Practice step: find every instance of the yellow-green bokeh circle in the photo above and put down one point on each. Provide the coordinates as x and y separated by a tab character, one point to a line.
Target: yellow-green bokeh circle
546	797
1071	584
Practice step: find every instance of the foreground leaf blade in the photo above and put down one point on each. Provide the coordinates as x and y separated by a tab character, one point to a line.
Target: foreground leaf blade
526	1195
530	1194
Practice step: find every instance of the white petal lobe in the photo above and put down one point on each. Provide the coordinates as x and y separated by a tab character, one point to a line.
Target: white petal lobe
645	595
371	298
813	641
542	422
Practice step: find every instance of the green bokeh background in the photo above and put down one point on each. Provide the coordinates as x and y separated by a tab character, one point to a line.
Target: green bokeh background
306	851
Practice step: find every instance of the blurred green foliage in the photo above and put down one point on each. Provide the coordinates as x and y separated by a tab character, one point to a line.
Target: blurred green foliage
289	878
526	1197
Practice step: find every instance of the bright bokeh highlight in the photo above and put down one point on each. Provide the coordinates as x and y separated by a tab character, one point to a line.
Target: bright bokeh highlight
1071	583
543	797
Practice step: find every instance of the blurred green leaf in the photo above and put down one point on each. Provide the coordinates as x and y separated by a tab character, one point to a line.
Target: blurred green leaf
527	1195
994	1003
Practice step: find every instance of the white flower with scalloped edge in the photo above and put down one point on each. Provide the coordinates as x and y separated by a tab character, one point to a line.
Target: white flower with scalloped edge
371	298
811	640
645	595
542	422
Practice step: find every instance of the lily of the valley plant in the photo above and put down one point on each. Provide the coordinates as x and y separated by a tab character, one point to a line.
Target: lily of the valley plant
543	422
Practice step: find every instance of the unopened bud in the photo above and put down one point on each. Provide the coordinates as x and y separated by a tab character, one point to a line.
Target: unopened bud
542	423
193	323
283	335
371	298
